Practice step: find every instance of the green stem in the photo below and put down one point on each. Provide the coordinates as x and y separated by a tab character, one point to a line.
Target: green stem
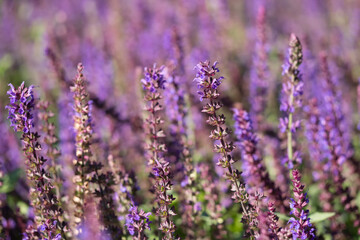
289	133
289	138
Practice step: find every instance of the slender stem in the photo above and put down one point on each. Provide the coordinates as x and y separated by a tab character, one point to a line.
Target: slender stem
154	153
289	132
225	156
155	157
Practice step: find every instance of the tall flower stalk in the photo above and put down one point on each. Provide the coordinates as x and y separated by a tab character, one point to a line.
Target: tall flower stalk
315	135
208	82
333	102
136	220
292	90
87	170
179	144
333	105
153	82
83	130
300	226
268	224
49	219
255	173
335	160
318	151
337	140
259	73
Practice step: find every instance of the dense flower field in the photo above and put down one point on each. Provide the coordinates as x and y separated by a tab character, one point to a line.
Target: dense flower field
180	119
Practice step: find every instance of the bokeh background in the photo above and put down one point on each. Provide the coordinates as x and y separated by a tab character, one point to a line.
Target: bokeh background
42	41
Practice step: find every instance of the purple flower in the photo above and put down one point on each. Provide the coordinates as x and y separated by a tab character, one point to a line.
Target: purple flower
255	173
197	206
332	105
86	168
153	83
300	225
216	82
285	68
42	227
137	221
319	153
123	189
153	79
206	79
25	236
20	114
57	237
292	90
156	172
333	167
21	107
179	151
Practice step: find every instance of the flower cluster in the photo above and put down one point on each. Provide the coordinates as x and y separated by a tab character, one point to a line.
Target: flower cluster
318	149
87	170
315	135
268	224
124	188
43	199
272	220
336	141
255	173
207	81
20	108
333	104
136	222
300	224
154	79
153	82
292	90
178	146
85	157
83	130
175	97
334	167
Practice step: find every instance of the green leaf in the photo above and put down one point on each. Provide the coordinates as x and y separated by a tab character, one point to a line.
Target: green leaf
320	216
282	216
5	64
10	180
24	208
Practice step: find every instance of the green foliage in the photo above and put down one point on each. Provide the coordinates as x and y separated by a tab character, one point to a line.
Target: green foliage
283	217
320	216
315	217
10	180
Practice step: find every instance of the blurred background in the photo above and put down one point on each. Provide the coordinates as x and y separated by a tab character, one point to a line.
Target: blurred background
42	41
